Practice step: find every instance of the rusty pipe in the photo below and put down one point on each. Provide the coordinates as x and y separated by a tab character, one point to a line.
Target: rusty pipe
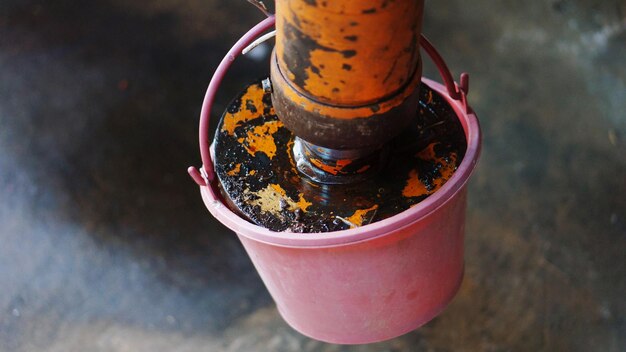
345	73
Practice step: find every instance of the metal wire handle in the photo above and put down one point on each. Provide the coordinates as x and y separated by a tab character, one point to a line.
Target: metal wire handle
206	174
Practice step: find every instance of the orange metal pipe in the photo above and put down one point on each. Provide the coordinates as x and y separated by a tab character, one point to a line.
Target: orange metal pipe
345	73
348	53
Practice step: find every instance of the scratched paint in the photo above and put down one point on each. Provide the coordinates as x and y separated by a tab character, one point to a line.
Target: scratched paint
352	54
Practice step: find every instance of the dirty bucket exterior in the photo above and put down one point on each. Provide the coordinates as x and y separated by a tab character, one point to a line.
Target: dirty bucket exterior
371	283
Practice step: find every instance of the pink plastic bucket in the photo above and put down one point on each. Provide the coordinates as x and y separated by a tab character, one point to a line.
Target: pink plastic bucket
366	284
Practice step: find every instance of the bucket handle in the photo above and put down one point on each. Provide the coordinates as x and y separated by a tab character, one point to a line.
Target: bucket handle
206	174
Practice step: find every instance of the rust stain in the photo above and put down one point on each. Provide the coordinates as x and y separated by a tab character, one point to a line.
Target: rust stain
320	165
278	189
290	154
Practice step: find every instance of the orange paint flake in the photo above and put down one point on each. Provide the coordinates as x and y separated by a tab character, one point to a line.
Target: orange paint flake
327	168
447	170
278	189
253	96
337	169
360	216
302	203
261	139
414	187
235	170
363	169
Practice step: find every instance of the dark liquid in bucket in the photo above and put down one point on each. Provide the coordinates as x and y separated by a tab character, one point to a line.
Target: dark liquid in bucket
255	163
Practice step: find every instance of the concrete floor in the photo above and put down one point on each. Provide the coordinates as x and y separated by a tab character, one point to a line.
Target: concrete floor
105	244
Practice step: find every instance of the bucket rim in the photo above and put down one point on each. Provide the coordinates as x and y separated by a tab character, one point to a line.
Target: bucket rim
420	211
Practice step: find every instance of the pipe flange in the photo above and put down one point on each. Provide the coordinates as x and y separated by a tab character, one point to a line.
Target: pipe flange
343	127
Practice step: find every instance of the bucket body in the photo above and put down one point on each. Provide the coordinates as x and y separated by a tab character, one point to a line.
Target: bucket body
372	290
365	284
374	282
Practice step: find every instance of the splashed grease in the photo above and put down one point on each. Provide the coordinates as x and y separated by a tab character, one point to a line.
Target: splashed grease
261	139
418	185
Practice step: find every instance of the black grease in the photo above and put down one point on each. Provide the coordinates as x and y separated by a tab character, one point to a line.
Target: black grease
297	53
348	53
250	106
316	70
434	122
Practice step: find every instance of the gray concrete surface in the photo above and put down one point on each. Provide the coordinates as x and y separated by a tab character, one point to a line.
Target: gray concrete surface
106	246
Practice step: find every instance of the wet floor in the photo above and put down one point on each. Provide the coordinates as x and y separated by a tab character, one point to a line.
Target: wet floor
105	244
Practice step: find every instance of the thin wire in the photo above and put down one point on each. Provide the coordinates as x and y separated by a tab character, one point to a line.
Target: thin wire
261	6
347	222
258	42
